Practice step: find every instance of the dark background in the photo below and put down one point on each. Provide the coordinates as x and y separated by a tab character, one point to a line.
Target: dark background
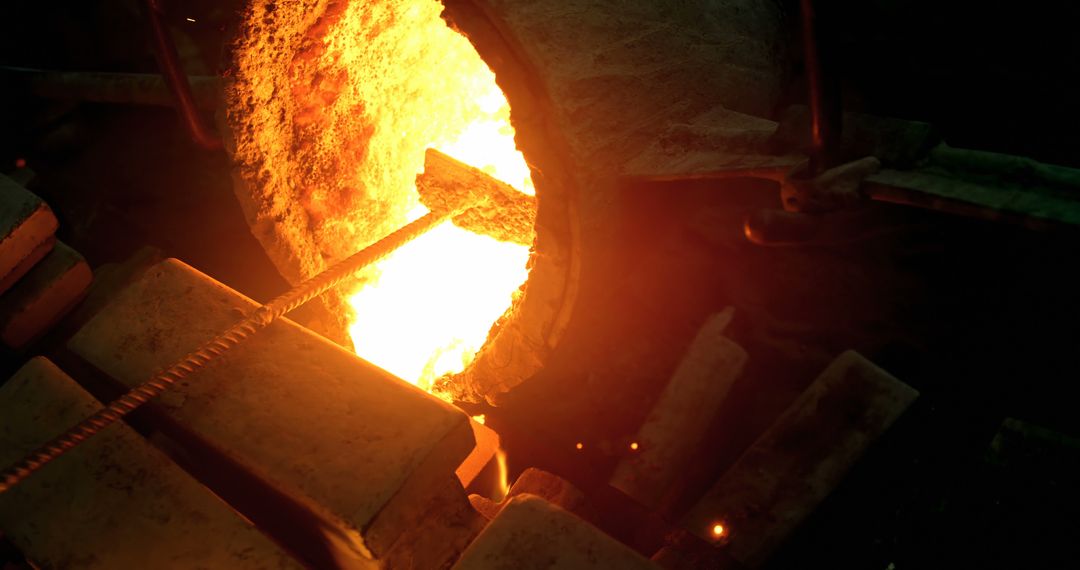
981	318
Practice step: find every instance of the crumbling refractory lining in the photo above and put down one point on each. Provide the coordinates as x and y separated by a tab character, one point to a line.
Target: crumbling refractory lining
331	107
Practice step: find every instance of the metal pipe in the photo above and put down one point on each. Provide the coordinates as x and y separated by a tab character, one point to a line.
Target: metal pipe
177	80
822	129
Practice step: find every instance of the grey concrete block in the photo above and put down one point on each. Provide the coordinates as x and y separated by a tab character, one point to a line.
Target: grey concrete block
43	296
360	448
27	226
671	435
115	501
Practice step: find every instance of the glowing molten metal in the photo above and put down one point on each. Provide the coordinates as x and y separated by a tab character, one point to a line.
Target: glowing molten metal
426	310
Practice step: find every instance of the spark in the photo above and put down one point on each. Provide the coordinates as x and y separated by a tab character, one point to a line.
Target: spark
718	530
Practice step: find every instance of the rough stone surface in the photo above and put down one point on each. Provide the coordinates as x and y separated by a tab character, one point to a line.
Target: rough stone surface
617	73
331	106
109	279
44	295
26	231
798	461
115	501
531	533
359	447
671	435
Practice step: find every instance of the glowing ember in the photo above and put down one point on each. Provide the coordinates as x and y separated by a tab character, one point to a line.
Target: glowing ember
426	310
634	446
718	530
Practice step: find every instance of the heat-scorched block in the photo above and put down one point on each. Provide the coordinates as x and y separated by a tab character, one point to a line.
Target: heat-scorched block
115	501
27	226
361	449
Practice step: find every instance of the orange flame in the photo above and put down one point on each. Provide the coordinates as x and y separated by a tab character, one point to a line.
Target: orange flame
426	310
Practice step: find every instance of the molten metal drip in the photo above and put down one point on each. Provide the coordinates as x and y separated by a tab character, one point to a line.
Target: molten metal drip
504	476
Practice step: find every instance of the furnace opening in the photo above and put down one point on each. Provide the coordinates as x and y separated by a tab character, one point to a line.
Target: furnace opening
332	107
425	311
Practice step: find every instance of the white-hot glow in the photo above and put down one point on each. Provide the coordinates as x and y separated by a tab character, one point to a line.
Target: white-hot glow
428	308
432	303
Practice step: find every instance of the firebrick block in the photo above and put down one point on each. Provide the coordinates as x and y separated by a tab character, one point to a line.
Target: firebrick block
27	226
115	501
673	431
44	295
530	532
360	448
801	458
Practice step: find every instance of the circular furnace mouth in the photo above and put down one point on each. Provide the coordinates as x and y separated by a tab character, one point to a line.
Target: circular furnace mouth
331	109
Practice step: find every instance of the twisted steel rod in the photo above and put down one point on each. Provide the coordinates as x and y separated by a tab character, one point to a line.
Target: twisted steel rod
219	345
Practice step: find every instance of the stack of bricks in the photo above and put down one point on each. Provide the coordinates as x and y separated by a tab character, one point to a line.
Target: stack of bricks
41	279
287	451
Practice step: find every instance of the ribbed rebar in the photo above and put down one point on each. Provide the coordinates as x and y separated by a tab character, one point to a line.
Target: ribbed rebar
219	345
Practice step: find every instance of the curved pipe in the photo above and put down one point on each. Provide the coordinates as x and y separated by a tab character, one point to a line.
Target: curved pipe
177	80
